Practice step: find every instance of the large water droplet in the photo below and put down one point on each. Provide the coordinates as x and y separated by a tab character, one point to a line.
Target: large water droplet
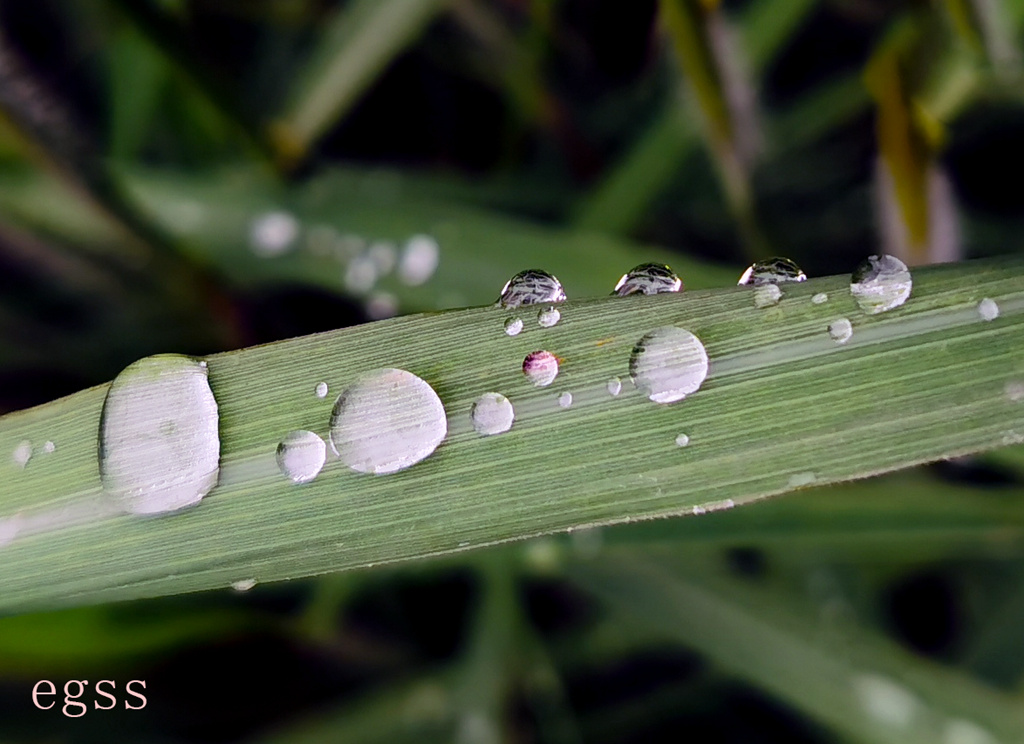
881	283
301	455
988	309
648	279
513	326
541	367
668	364
492	414
772	271
387	421
548	317
840	330
159	437
531	287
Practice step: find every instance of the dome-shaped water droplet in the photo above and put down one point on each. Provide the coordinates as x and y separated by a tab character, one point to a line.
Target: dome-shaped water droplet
541	367
767	295
772	271
988	309
668	364
301	455
531	287
614	386
820	298
387	421
548	317
321	390
492	414
682	440
159	435
513	326
881	283
648	279
565	400
840	330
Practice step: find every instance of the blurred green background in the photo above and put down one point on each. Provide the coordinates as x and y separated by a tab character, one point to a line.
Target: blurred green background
195	176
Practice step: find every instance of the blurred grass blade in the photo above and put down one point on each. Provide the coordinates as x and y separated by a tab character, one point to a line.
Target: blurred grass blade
363	38
784	406
873	691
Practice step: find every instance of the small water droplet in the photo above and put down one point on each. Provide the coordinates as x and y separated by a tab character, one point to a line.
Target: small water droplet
541	367
492	413
881	283
381	305
49	447
159	436
22	453
548	317
698	510
614	386
668	364
273	233
648	279
766	295
244	585
301	455
531	287
384	256
513	326
682	440
321	390
1014	391
820	298
387	421
772	271
360	275
988	309
565	400
840	330
419	261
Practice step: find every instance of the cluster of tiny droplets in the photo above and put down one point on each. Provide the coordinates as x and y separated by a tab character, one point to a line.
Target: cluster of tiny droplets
531	287
648	279
772	271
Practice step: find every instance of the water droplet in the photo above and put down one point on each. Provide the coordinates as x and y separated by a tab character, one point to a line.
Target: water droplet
387	421
668	364
881	283
548	317
273	233
885	700
321	390
988	309
698	510
614	386
531	287
766	295
513	326
381	305
159	438
360	275
541	367
492	414
682	440
772	271
820	298
419	260
301	455
648	279
49	447
1014	391
384	256
565	400
22	453
244	585
840	330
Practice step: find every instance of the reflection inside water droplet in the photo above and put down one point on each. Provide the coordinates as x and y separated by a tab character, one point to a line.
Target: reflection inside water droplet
387	421
531	287
881	283
492	413
772	271
513	326
301	455
668	364
648	279
548	317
